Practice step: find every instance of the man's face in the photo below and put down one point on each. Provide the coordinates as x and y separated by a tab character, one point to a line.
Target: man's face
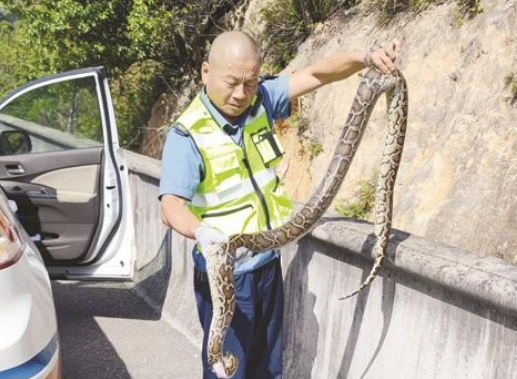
231	85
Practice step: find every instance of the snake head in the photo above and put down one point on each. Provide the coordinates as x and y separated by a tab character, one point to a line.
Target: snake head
226	367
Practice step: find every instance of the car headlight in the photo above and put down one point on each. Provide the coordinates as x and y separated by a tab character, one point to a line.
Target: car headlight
10	244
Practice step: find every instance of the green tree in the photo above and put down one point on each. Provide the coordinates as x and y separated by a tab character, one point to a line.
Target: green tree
147	46
289	22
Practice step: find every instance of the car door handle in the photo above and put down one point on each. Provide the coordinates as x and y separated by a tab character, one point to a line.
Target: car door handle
15	169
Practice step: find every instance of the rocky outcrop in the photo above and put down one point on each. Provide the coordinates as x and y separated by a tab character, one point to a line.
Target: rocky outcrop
458	178
164	111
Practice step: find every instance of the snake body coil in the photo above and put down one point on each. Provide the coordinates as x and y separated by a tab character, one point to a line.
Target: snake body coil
220	258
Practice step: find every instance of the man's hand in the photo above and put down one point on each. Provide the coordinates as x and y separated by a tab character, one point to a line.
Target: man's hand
383	58
242	254
207	236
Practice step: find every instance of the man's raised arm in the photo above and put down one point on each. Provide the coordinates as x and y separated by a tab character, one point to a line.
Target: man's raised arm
340	66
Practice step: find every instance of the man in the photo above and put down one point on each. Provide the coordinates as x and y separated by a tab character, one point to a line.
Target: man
218	180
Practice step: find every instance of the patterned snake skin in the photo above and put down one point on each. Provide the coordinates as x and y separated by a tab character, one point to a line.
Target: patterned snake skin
220	258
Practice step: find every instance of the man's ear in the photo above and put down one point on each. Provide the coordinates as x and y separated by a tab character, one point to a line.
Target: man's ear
205	72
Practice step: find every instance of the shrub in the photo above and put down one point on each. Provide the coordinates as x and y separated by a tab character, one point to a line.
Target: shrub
298	122
289	22
315	149
364	198
134	92
510	81
469	8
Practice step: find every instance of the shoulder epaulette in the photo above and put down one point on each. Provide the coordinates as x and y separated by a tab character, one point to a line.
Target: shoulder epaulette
265	77
181	130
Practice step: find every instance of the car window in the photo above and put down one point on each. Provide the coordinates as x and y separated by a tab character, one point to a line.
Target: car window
58	116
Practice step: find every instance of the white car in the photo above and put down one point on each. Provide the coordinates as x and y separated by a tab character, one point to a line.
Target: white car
65	205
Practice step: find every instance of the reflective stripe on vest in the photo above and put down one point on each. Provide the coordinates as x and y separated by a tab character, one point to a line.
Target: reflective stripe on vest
239	192
240	189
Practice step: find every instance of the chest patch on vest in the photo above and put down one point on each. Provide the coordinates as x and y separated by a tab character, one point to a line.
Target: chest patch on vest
268	145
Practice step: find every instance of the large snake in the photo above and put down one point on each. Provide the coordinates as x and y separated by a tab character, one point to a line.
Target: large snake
220	258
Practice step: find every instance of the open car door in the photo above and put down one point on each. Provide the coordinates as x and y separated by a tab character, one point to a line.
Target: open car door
61	164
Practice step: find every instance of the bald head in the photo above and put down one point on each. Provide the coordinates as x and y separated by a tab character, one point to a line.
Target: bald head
232	73
233	45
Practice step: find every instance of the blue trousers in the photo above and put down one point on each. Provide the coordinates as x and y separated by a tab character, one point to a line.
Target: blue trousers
255	334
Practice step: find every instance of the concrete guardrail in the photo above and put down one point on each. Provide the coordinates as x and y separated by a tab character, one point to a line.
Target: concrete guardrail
434	312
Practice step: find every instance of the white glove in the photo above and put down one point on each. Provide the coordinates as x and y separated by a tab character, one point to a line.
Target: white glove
207	236
242	254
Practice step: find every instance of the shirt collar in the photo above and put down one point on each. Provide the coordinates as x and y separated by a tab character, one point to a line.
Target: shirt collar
218	117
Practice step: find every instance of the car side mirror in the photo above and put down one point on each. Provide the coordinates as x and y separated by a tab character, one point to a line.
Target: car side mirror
14	142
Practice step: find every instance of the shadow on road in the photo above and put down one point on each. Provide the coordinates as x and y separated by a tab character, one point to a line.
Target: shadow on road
86	350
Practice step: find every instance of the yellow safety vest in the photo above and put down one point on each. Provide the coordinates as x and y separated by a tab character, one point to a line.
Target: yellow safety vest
240	192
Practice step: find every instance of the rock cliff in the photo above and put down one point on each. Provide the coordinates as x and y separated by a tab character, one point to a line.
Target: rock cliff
458	178
457	182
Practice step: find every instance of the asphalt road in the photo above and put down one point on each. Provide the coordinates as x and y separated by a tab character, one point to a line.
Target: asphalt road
107	332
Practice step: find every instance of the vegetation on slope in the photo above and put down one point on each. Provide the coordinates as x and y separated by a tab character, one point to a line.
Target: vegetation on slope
153	46
147	46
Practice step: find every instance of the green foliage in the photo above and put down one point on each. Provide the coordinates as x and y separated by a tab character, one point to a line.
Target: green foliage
8	55
300	123
270	69
67	34
146	22
69	106
134	93
419	5
469	8
510	81
315	149
284	30
147	46
386	9
289	22
151	46
364	198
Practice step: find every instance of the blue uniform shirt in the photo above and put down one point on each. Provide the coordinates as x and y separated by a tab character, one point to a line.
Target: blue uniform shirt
182	165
